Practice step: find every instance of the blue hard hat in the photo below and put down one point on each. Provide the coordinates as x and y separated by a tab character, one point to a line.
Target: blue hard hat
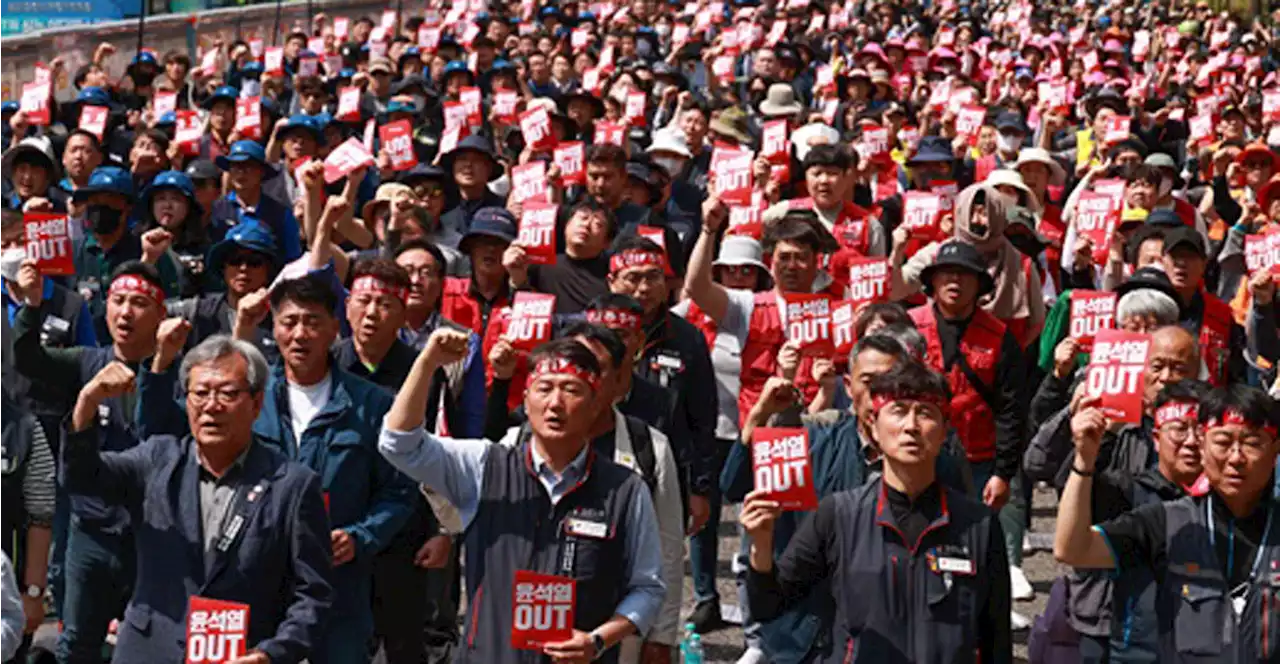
250	235
252	69
167	119
94	96
502	64
222	92
9	107
398	106
144	58
176	180
106	180
242	151
457	67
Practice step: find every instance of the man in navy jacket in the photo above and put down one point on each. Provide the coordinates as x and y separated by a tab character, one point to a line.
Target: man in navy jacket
217	514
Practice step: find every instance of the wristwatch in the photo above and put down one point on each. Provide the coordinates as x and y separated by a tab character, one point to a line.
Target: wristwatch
34	591
597	644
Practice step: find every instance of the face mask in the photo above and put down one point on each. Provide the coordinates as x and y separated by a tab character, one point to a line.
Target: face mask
672	166
1008	143
11	261
663	30
102	220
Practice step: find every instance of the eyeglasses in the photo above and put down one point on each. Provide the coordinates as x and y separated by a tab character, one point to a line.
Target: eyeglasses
247	260
224	396
427	191
1177	432
1251	445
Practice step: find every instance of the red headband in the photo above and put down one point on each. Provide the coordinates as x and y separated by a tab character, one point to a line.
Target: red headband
371	284
1233	416
634	258
1176	411
881	400
614	318
560	366
133	284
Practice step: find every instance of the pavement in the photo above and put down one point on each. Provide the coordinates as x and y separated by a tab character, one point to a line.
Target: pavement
725	646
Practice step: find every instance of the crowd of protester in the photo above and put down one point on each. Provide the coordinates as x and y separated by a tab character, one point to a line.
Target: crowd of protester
495	292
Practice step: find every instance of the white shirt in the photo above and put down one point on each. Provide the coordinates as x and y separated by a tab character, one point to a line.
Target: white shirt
305	401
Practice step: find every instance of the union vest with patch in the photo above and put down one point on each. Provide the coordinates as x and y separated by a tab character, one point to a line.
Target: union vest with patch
517	527
899	601
971	414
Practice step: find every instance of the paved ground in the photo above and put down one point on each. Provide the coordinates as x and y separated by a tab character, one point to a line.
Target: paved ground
725	646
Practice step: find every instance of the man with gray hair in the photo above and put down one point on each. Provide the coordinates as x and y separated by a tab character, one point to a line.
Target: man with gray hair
844	456
217	514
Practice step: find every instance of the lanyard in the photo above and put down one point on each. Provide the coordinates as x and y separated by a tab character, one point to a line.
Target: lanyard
1231	539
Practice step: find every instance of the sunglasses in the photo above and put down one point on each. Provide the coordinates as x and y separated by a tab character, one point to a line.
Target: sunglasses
247	260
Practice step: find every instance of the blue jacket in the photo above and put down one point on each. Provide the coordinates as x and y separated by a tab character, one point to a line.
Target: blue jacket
365	495
839	464
278	562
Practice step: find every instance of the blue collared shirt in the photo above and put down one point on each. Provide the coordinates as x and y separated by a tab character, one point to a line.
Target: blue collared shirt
454	468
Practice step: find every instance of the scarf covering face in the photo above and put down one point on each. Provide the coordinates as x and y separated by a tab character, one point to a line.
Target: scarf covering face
1015	295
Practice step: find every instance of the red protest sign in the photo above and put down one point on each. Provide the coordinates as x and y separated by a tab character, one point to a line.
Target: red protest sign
868	280
746	220
217	630
273	60
658	237
874	143
1096	219
341	27
1262	253
249	117
571	158
610	133
348	104
1271	103
529	182
542	604
530	323
93	119
163	102
1091	311
781	468
397	141
732	169
35	103
535	125
921	213
633	111
455	115
538	232
346	158
1117	129
429	38
842	319
1200	129
969	120
504	105
450	138
470	98
776	143
1115	373
808	319
49	242
187	132
256	46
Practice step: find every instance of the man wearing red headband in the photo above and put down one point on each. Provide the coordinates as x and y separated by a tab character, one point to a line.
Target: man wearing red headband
1115	613
1214	558
98	545
547	505
917	570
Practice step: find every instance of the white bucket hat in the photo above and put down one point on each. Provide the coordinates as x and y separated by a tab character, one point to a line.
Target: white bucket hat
740	250
1057	175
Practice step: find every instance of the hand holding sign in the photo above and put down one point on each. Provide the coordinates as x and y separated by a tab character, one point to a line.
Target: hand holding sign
1091	311
1115	373
217	631
49	242
541	610
781	468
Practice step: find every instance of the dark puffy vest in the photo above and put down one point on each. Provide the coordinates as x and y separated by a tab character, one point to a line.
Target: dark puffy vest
517	527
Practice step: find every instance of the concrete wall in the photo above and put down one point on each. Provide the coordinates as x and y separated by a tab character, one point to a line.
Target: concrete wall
184	32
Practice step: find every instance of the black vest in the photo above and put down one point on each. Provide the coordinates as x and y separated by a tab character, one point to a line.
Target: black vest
1195	605
1134	633
893	602
59	315
517	527
17	430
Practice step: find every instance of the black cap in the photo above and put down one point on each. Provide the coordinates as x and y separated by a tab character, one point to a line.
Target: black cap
1149	277
1164	218
1185	236
203	169
962	255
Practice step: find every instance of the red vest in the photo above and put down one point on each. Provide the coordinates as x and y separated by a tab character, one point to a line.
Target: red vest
1185	211
460	306
852	230
497	324
705	324
971	416
1053	229
765	336
983	166
1215	338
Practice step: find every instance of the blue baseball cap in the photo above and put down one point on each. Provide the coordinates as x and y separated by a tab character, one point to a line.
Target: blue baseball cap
457	67
242	151
9	107
308	123
106	180
494	222
167	119
222	92
249	235
502	65
400	106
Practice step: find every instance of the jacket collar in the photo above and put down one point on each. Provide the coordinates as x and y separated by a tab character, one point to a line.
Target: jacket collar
884	514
